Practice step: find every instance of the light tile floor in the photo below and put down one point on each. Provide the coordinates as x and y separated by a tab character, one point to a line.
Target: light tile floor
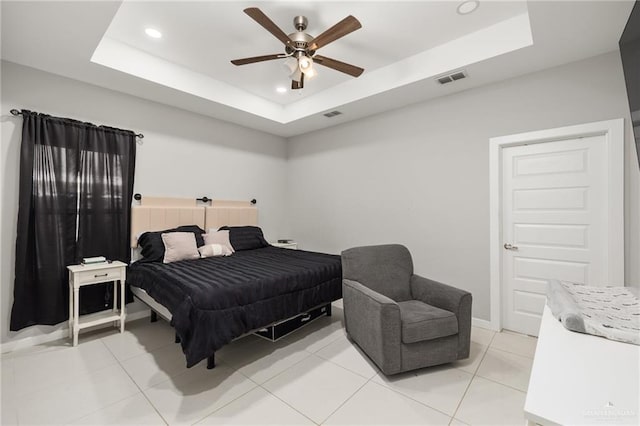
313	376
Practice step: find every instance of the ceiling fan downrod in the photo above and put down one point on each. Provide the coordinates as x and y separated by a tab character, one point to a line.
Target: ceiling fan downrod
300	23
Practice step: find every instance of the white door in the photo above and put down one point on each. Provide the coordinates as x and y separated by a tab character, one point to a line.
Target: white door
554	223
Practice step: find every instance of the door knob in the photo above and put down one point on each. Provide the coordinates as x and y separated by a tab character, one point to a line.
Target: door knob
510	247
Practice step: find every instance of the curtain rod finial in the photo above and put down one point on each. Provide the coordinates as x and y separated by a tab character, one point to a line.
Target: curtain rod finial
15	112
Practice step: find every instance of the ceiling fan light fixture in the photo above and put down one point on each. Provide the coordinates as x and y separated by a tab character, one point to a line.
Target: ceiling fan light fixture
305	63
296	75
290	64
310	73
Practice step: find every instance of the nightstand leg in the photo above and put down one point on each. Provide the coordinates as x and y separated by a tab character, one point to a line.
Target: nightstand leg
122	300
115	301
115	296
76	315
70	307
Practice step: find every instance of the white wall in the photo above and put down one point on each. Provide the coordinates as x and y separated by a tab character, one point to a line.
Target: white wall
420	175
183	154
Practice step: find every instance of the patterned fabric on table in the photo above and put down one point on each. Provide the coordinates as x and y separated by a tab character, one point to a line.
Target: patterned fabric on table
611	312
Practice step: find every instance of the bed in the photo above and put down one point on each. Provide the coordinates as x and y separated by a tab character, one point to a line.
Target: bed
214	300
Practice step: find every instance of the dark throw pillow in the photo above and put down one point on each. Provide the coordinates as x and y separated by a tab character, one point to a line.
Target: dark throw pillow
246	237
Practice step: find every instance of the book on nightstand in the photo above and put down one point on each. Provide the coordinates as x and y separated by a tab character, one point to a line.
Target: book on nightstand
93	260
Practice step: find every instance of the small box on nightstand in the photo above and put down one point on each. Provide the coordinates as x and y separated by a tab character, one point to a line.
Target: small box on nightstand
288	244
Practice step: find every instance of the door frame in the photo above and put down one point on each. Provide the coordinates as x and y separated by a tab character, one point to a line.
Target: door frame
613	132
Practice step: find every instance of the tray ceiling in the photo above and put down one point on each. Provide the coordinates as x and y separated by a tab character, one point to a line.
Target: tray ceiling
403	46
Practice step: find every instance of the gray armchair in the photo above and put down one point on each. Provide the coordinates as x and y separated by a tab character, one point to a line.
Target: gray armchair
400	320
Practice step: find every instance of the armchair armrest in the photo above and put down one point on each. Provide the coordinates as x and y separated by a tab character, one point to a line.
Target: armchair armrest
373	321
437	294
451	299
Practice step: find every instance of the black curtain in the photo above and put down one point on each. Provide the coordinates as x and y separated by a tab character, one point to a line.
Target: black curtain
107	162
66	166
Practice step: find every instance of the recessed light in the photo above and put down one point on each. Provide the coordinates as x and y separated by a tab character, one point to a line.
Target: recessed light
281	89
153	33
467	7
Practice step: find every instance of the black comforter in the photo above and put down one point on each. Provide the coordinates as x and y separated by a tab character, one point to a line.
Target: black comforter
217	299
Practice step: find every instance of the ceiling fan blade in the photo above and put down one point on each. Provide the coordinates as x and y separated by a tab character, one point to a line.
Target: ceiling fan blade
295	85
341	29
262	19
352	70
253	59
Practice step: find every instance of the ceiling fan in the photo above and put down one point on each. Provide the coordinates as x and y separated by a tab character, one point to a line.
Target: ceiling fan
300	47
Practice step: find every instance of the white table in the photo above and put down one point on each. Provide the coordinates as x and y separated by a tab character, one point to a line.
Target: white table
82	275
580	379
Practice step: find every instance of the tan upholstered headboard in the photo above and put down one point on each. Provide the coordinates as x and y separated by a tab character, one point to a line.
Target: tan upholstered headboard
156	214
230	213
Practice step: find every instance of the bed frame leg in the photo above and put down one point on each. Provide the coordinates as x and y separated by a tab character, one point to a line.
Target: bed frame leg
177	338
328	309
211	362
154	316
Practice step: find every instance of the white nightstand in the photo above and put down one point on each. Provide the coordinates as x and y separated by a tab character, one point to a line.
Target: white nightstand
292	245
81	275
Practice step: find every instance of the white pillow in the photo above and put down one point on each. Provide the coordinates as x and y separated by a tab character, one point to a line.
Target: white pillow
179	246
220	237
210	250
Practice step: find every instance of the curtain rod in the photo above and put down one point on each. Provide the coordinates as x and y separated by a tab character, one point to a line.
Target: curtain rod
18	112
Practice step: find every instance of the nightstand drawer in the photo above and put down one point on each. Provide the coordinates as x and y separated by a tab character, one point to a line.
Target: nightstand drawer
100	275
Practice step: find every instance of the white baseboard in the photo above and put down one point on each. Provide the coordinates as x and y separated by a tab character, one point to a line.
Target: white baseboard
62	333
138	315
478	322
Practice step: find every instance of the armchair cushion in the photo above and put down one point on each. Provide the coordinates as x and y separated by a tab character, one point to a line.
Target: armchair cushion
451	299
425	322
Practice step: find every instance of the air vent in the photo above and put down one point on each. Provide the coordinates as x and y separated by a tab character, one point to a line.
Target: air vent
332	114
450	78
